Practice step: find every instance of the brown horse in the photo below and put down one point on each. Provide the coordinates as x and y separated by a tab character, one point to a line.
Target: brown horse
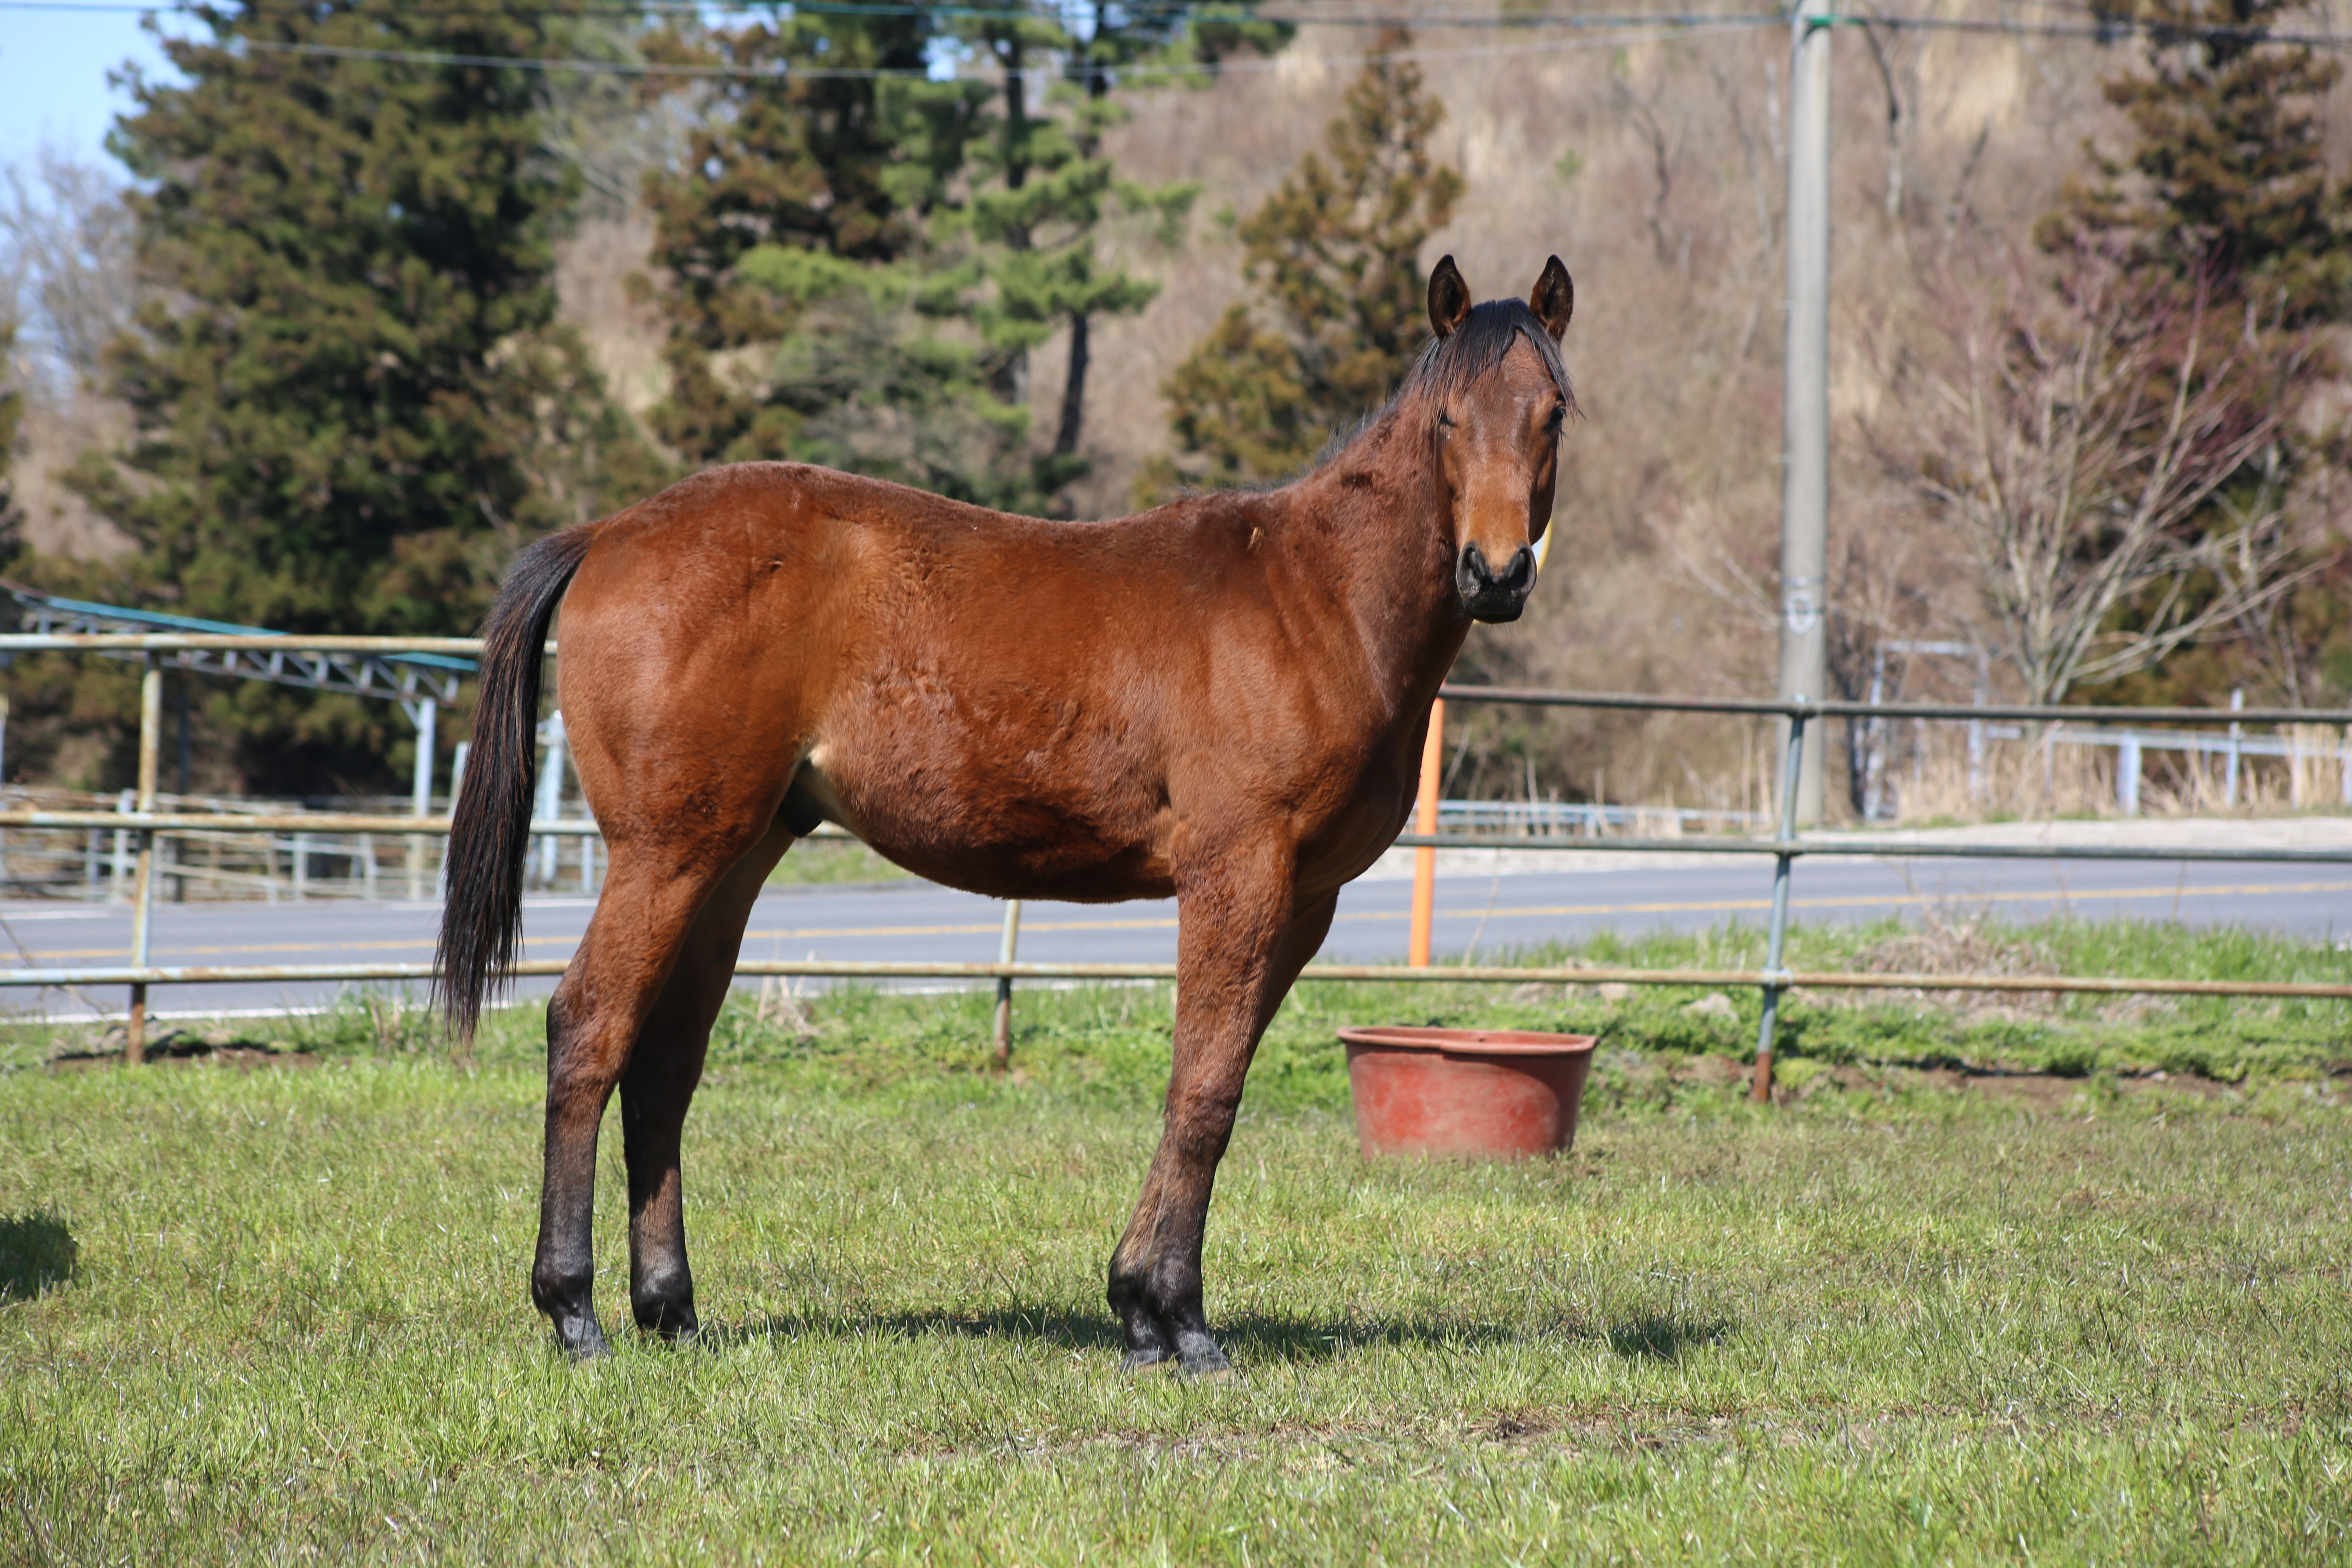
1224	699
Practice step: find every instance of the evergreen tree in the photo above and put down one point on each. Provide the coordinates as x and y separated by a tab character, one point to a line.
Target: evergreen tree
847	166
352	395
874	388
2228	183
1096	43
976	206
1041	190
1336	252
2224	210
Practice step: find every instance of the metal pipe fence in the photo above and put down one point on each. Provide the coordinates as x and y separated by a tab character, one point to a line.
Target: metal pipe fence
146	824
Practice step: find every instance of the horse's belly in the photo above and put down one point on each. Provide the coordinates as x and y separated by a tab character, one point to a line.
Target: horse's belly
999	841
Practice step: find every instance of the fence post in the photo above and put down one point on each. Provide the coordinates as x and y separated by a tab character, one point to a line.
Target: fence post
1424	859
458	756
118	876
420	790
142	905
2230	781
2127	765
1874	741
1765	1030
1005	951
550	803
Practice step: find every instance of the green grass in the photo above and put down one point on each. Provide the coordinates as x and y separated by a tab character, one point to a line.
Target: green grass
1911	1315
829	862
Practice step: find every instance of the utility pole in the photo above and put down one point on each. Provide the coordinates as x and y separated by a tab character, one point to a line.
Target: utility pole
1805	495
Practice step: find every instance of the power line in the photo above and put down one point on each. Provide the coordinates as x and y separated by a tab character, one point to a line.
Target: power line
1175	9
783	70
2101	30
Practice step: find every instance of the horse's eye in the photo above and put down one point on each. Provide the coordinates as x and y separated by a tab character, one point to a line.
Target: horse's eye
1444	420
1558	417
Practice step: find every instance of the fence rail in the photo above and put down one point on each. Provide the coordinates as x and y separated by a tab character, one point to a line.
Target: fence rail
145	824
1808	708
877	969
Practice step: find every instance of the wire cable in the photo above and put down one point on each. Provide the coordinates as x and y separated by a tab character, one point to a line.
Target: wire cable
2100	30
783	70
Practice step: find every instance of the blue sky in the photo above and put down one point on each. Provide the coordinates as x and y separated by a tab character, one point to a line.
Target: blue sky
53	68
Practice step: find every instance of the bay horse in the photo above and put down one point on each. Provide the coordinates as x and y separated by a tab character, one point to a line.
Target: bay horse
1224	699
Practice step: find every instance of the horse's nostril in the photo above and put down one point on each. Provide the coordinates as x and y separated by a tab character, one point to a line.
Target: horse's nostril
1521	573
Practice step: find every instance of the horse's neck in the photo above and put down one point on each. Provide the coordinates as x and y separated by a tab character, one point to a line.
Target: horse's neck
1376	514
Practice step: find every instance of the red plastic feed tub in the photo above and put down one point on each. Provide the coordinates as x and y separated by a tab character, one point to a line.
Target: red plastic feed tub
1484	1094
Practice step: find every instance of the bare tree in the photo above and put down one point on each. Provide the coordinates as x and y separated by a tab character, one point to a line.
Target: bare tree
66	257
1672	242
2099	448
2284	540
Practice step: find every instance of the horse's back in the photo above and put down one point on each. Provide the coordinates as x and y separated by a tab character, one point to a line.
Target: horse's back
992	700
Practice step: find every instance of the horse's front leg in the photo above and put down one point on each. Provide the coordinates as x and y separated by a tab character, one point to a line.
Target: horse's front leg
1241	944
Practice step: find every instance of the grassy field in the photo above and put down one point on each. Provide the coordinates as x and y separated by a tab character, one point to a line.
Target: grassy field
828	862
2047	1284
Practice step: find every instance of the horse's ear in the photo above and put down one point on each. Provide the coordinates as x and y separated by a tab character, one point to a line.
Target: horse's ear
1449	298
1554	299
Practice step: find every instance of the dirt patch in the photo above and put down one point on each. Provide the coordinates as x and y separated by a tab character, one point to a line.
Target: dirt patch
2039	1090
182	1047
1718	1072
2045	1092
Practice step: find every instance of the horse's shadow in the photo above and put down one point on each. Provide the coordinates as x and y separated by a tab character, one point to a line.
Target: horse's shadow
1250	1338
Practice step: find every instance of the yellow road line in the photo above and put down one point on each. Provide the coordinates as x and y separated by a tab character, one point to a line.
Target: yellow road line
990	928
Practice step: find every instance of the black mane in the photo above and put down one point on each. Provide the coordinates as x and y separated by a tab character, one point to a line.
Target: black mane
1476	350
1454	364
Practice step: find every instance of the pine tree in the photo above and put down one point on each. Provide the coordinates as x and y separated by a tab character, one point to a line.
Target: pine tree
847	166
1043	190
1117	38
977	208
1336	253
2228	184
352	395
2223	211
872	386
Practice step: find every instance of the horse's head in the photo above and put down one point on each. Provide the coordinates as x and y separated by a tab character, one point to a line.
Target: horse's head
1498	395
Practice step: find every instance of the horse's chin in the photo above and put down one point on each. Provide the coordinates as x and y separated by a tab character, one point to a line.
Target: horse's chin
1496	609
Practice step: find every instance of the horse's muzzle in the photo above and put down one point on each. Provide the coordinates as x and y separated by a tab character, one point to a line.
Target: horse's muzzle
1486	596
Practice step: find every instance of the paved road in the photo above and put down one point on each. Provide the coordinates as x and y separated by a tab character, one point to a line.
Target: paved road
1491	915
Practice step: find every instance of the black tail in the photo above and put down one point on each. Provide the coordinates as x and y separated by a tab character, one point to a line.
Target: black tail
490	832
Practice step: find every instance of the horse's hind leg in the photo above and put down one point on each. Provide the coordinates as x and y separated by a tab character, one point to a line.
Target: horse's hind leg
652	902
659	1084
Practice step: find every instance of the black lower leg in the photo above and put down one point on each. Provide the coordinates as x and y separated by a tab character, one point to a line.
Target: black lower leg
563	1272
1149	1341
661	1283
1155	1283
1176	1288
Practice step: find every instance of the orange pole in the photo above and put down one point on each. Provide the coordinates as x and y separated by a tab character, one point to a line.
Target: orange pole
1424	859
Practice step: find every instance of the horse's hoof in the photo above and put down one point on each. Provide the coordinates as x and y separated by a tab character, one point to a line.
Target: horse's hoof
582	1341
1204	1362
672	1331
1146	1361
